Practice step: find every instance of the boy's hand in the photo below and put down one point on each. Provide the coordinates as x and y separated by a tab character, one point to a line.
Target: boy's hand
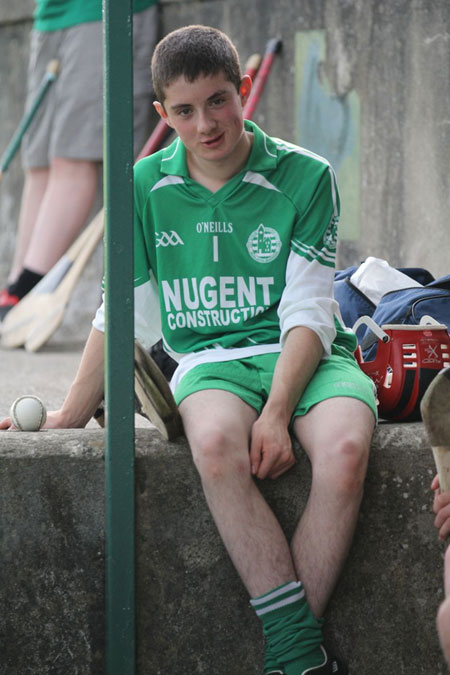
441	507
54	421
6	424
271	448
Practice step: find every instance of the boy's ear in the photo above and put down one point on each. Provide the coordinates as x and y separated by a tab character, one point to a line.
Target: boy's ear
161	112
245	88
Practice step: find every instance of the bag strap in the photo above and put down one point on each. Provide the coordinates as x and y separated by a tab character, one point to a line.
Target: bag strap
442	282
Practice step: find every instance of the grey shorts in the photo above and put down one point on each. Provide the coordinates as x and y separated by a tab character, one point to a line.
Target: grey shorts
69	122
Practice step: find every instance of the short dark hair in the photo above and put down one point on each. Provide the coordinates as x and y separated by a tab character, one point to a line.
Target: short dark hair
192	51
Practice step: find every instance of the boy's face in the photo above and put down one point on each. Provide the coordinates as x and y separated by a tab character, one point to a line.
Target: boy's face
207	115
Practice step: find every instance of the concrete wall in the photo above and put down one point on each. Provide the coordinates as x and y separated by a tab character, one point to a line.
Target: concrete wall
15	24
193	612
385	65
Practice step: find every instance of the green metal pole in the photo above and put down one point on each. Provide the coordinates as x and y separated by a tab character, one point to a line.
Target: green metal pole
119	377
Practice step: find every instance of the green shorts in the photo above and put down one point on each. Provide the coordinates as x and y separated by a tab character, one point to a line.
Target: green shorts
251	379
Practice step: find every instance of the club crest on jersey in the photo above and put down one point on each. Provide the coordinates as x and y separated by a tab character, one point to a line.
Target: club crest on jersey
168	239
264	244
330	236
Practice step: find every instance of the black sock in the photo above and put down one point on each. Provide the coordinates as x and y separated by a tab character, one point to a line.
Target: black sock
24	283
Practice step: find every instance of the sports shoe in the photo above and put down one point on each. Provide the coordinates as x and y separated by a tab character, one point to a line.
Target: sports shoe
330	666
7	302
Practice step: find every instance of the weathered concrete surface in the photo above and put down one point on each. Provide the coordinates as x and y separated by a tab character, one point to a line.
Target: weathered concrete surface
193	613
12	11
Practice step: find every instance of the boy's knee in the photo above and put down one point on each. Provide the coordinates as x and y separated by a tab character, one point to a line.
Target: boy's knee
216	456
345	465
355	456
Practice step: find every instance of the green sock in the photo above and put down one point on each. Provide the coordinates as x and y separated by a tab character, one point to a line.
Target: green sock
293	634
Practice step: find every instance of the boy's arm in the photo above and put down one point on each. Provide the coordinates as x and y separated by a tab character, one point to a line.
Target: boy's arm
271	448
86	391
307	309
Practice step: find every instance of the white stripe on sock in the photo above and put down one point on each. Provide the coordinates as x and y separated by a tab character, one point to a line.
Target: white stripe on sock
275	594
281	603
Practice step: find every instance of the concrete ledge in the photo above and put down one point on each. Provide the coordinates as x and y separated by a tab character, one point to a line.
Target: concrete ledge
193	612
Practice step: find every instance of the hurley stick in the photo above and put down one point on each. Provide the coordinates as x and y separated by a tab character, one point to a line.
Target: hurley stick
35	316
153	395
435	409
50	76
272	49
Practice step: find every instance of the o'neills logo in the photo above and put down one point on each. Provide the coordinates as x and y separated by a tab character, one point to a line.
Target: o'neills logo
264	244
193	302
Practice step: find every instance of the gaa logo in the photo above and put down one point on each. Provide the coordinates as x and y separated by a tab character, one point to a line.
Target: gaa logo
264	244
168	239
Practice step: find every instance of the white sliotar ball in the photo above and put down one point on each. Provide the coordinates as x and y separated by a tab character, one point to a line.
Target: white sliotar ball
28	413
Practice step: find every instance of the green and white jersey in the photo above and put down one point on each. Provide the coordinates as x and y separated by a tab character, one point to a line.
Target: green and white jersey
227	274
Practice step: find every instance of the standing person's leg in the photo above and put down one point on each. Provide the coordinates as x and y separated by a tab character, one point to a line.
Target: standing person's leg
55	206
74	146
65	207
36	181
67	137
62	151
336	435
43	47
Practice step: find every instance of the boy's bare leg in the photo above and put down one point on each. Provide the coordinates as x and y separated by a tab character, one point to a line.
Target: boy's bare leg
64	209
36	181
336	435
218	425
